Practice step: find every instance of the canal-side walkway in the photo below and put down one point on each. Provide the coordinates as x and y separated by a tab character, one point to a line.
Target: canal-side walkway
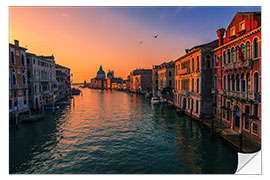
231	137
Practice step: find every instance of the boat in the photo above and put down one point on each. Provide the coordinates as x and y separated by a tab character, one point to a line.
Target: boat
63	103
155	100
76	91
51	107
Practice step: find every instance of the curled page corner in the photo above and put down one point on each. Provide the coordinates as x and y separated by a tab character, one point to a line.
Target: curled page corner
249	163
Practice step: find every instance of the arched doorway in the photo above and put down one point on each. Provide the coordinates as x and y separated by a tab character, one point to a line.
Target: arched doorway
236	116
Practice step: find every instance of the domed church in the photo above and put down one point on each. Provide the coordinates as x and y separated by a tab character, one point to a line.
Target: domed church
101	74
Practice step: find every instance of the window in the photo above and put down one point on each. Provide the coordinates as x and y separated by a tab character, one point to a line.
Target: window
10	104
198	63
197	106
24	101
28	61
248	56
14	80
24	92
34	61
224	57
247	117
228	56
192	64
14	93
233	83
208	61
233	54
236	53
22	58
255	48
243	49
23	77
224	82
255	128
232	31
12	57
256	82
198	85
229	83
255	110
170	83
170	73
243	83
242	26
237	83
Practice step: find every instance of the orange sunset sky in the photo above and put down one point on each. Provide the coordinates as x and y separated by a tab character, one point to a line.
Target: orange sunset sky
83	38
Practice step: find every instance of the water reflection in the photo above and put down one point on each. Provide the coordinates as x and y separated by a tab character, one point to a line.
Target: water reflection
116	132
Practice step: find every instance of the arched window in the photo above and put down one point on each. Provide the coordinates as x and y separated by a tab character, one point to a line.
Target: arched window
229	82
224	57
228	56
192	64
224	82
247	80
256	82
236	53
243	83
243	49
237	83
208	61
255	48
248	56
233	54
233	83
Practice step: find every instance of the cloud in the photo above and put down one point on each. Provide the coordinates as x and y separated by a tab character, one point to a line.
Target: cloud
163	15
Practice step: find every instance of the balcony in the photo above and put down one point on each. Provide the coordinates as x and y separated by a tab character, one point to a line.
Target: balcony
183	71
46	92
16	86
185	92
257	97
238	65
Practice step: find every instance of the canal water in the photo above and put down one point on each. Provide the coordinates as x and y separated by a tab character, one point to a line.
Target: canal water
117	133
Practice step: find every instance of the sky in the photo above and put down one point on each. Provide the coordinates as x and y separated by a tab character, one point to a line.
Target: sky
83	38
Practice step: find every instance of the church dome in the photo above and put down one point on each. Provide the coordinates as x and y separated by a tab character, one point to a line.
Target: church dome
101	73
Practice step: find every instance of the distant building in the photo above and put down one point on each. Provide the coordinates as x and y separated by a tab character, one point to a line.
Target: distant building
63	81
162	77
193	80
18	87
237	75
141	80
99	81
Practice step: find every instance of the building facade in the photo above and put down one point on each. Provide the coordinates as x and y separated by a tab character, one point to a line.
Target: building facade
237	76
141	81
63	81
18	87
193	80
163	77
42	80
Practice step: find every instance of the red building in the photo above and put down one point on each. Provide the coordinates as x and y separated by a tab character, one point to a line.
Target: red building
237	75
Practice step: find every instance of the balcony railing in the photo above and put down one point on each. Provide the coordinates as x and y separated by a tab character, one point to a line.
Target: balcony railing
185	92
183	71
238	65
25	86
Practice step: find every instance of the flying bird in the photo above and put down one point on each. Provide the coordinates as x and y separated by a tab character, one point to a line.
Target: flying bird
140	42
155	36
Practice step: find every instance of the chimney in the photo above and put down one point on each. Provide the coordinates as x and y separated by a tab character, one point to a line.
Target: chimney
187	51
16	42
220	33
